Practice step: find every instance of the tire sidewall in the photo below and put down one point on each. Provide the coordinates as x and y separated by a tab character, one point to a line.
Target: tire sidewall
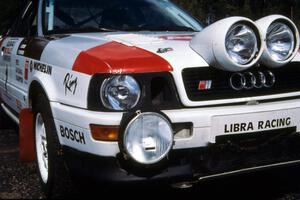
43	108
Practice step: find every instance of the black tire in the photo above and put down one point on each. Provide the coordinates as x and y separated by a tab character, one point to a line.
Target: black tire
59	182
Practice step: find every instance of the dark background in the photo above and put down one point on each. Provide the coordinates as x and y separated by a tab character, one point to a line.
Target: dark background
207	11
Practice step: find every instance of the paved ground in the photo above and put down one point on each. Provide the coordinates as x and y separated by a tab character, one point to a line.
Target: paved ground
19	180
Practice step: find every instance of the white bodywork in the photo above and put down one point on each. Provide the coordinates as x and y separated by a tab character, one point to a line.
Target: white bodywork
70	110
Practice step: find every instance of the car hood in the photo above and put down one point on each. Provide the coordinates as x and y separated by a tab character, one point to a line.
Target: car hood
92	53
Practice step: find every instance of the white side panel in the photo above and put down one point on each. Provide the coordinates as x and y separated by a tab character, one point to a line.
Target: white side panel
61	85
83	118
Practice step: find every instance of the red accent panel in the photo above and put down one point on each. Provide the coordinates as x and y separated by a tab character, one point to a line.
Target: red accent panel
118	58
26	138
26	70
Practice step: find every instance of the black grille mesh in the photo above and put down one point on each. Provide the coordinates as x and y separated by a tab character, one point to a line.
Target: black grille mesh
287	80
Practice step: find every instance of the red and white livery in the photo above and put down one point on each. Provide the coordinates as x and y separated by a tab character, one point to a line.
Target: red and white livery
138	90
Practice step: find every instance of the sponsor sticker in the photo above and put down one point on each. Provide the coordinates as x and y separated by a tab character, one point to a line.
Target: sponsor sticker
31	66
43	68
70	83
19	75
11	43
73	135
255	122
19	104
259	125
7	53
164	50
22	47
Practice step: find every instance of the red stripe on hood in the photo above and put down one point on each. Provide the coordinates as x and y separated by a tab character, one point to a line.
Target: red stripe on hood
118	58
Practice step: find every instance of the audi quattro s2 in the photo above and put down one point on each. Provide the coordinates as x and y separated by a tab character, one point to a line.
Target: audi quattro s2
138	91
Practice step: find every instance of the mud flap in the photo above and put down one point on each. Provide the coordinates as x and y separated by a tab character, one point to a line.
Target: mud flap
26	136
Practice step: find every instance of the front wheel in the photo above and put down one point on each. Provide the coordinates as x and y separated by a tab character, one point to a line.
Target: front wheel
52	170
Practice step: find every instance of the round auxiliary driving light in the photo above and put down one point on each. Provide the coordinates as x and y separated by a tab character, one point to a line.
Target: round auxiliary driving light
280	41
148	138
232	44
241	44
281	38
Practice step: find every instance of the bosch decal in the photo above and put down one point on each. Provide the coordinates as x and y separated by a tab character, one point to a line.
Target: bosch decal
72	135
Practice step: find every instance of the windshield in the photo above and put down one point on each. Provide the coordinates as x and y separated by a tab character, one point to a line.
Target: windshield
67	16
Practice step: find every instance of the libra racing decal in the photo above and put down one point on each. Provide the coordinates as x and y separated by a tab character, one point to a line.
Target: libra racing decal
260	125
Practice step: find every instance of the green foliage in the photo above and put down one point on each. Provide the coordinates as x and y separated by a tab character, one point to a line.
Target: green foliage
253	9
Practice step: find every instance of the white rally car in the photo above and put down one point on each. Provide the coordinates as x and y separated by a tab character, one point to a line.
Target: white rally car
138	90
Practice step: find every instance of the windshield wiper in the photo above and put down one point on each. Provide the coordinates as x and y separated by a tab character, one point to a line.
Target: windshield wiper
163	28
107	29
179	28
89	29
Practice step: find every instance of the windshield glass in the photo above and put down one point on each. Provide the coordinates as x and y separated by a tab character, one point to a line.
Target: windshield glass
67	16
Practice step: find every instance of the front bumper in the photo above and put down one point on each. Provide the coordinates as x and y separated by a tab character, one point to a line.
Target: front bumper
208	123
228	156
209	152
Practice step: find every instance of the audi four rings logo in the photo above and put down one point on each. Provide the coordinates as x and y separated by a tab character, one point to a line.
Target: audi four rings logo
249	80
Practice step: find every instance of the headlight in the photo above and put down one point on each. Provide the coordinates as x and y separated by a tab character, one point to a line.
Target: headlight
241	44
120	93
148	138
280	41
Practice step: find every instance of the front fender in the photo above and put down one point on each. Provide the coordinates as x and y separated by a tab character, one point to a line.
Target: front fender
61	85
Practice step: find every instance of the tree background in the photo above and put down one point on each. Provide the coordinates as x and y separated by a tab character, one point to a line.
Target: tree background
212	10
206	11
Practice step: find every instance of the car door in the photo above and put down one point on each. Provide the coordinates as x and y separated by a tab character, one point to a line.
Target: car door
7	50
3	67
18	65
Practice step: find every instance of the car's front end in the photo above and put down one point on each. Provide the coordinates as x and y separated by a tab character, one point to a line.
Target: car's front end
174	103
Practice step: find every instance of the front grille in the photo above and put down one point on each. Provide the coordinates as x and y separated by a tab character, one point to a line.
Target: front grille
287	80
